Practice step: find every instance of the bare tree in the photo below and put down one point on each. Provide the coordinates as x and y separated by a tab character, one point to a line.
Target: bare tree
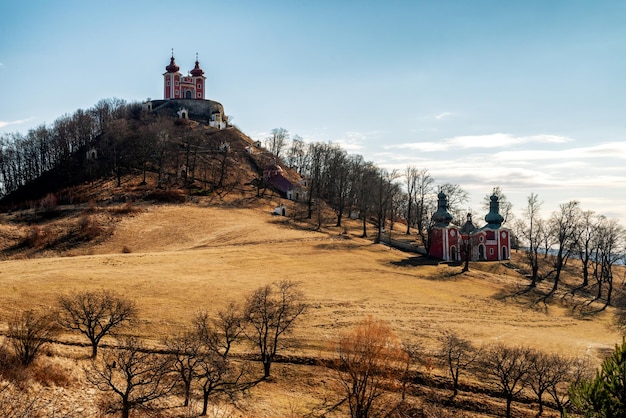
587	234
136	375
95	314
386	188
507	368
277	141
410	182
610	249
365	359
185	351
530	229
568	373
217	372
563	225
545	371
271	312
456	354
296	154
28	332
424	188
412	352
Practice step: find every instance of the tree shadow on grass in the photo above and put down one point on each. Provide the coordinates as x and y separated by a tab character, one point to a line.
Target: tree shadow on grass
416	261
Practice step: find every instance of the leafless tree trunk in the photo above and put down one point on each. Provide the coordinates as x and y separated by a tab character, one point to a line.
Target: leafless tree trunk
95	314
457	355
136	375
270	312
530	229
563	224
507	368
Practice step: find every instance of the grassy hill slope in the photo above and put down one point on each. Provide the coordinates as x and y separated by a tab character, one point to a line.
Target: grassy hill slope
175	260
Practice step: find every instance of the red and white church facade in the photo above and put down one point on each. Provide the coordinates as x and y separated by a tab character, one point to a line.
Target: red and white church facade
449	242
178	86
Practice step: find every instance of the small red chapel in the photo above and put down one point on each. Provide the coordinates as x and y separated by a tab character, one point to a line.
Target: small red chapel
449	242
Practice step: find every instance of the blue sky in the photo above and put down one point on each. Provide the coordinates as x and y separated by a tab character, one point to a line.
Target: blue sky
529	96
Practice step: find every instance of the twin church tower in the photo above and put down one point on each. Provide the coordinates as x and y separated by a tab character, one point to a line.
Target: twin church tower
178	86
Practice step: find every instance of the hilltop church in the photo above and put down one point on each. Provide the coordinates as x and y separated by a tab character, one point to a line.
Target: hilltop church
184	97
448	242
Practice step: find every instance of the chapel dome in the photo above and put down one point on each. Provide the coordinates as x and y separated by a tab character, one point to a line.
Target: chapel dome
197	71
493	218
172	68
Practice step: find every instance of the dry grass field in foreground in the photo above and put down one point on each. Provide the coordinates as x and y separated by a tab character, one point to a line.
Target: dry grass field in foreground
186	258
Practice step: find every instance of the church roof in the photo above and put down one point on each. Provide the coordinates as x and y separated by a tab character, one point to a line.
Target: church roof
493	218
197	71
172	68
469	226
442	217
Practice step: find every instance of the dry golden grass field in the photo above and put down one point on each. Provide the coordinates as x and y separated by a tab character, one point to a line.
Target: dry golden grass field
175	260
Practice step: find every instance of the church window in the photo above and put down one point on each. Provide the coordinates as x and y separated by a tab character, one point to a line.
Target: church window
199	94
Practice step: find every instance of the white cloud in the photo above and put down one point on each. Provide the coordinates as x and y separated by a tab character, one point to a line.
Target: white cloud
1	65
353	141
4	124
498	140
607	150
420	146
443	115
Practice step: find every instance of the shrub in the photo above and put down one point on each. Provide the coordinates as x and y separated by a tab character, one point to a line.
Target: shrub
39	237
167	196
124	209
50	375
48	203
88	228
29	331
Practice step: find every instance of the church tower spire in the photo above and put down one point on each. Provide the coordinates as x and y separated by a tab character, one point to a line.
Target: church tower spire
177	86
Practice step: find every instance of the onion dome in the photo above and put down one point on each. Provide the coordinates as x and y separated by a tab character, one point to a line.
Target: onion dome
493	218
442	217
172	68
197	71
469	227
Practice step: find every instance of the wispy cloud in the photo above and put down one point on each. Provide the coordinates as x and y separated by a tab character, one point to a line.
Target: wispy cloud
4	124
443	115
607	150
491	141
353	141
1	65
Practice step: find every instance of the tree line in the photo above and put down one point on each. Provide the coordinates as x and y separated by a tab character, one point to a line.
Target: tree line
595	241
129	138
108	140
374	368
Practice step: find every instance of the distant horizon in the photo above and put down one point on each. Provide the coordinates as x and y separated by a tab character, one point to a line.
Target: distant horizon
529	97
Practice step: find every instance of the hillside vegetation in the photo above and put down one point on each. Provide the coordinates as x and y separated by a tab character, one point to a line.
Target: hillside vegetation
175	260
179	218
